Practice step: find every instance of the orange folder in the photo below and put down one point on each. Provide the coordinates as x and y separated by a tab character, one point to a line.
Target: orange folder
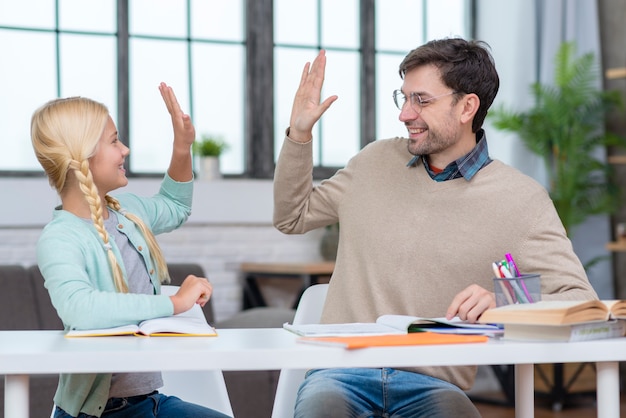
416	338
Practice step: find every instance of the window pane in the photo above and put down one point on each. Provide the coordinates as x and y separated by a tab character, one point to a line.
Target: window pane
88	16
399	24
150	125
290	28
158	17
218	106
387	123
340	138
21	13
217	19
336	135
88	68
431	19
340	23
288	64
33	82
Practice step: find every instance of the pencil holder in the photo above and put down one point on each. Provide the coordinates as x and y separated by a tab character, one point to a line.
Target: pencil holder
523	289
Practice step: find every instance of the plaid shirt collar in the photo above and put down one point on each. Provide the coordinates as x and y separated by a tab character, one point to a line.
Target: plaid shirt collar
466	166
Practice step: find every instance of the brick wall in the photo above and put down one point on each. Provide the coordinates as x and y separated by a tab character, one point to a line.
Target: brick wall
219	249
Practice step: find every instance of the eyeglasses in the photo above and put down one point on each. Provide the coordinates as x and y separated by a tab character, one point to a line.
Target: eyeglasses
417	103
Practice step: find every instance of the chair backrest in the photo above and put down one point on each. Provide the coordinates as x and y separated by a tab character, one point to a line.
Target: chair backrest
309	311
179	272
206	388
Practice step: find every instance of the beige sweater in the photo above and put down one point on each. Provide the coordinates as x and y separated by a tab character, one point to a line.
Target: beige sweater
409	244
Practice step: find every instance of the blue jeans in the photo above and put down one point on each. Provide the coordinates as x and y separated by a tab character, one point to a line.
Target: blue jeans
361	393
152	405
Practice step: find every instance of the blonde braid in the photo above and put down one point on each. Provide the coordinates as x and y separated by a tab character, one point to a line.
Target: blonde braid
153	246
89	189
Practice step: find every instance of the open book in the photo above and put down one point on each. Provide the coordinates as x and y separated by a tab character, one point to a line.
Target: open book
393	324
556	312
191	323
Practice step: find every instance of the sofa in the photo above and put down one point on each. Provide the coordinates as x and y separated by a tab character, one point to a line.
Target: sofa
25	305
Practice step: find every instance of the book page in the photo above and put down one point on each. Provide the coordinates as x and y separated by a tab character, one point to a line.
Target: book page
441	324
103	332
338	330
177	325
555	312
392	324
617	308
189	323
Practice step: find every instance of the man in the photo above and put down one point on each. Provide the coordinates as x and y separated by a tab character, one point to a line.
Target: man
421	221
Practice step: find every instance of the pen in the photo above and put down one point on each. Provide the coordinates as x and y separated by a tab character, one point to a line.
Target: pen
515	270
507	274
512	265
496	271
506	292
504	273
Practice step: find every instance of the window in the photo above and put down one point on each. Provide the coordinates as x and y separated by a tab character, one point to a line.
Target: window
334	26
365	43
235	66
397	35
40	64
198	48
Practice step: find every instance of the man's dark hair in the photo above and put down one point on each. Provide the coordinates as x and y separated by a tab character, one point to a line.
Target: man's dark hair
465	66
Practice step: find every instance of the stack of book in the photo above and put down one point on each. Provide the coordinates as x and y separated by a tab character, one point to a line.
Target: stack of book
560	320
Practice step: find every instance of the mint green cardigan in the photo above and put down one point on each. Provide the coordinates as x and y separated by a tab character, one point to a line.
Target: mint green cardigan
74	264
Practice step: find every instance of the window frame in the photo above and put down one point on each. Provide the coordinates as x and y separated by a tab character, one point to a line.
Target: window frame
259	129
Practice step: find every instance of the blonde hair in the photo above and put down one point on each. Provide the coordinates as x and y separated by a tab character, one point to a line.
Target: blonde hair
65	134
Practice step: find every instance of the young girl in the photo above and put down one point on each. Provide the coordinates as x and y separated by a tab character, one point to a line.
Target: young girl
99	257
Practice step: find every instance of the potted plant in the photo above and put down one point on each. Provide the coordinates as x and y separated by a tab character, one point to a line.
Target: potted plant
565	127
208	151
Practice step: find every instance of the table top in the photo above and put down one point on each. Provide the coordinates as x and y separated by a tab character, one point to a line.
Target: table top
42	352
321	267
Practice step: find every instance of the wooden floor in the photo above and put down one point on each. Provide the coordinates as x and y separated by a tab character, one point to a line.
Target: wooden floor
580	401
583	407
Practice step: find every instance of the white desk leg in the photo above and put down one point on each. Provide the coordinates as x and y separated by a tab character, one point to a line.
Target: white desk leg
524	391
16	396
607	390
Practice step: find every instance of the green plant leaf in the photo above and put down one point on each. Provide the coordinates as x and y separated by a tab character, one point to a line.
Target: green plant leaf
210	146
565	127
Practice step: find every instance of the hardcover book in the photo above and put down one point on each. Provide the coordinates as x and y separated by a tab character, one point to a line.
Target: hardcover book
556	312
575	332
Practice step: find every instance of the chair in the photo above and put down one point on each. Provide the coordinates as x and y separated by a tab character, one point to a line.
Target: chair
179	272
251	392
202	387
309	311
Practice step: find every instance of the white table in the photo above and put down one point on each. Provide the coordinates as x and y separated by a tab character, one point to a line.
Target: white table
23	353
